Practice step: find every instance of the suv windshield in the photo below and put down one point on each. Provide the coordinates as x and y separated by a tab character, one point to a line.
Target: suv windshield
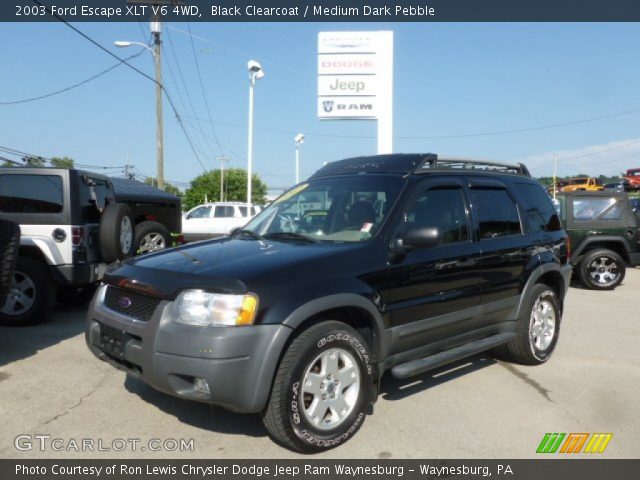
345	209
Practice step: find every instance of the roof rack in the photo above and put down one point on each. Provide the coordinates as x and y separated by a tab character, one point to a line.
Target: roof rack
474	164
405	163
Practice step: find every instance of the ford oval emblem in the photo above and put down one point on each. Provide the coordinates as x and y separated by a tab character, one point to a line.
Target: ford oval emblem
124	302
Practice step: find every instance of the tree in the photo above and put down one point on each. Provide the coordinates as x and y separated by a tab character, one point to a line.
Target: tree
235	188
62	162
172	189
31	161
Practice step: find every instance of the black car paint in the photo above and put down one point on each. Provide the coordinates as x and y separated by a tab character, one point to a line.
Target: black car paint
478	294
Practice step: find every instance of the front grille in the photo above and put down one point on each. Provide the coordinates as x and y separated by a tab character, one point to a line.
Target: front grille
140	307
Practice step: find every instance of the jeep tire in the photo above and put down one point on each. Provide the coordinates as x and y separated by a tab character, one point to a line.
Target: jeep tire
601	269
9	245
116	232
537	328
150	237
322	389
32	294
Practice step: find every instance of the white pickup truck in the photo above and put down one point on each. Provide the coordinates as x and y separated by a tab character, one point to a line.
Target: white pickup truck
215	219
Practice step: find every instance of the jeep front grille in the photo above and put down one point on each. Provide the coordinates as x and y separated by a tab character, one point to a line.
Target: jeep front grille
124	302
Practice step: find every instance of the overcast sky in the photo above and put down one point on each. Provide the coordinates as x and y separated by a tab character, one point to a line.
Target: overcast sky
453	82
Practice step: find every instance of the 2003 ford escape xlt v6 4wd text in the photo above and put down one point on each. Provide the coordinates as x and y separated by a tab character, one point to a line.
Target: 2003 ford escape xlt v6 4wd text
393	262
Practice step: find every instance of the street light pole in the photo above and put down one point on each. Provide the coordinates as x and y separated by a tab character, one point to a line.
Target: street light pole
299	140
555	174
255	73
222	160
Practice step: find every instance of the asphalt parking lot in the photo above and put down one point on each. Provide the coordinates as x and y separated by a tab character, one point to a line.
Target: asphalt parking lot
50	384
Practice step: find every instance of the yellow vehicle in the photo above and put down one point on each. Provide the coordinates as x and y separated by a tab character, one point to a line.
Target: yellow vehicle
583	183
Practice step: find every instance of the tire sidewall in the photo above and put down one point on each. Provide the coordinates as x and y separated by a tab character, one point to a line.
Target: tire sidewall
110	230
311	437
43	296
585	276
544	294
148	227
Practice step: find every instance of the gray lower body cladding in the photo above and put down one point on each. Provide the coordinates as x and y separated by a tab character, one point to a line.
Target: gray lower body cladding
237	363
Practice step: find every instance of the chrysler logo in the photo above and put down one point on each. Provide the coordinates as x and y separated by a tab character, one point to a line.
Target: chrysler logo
124	302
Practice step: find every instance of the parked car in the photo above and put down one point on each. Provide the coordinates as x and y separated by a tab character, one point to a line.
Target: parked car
417	262
633	177
9	243
73	224
583	183
619	186
212	220
559	185
604	234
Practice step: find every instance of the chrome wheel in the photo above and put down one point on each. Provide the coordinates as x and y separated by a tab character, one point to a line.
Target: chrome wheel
330	388
152	242
126	234
603	271
22	295
543	324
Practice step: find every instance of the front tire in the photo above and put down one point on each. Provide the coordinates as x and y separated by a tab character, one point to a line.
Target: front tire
322	389
537	329
32	294
602	269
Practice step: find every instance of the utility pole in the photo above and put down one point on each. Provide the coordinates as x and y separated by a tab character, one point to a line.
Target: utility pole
555	174
156	30
222	160
128	174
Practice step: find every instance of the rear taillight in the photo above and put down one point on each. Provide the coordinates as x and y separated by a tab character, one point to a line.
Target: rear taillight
77	236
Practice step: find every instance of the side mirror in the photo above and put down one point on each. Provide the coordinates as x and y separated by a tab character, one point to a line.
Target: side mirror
421	237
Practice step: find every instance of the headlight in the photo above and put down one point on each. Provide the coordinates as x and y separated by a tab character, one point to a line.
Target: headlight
197	307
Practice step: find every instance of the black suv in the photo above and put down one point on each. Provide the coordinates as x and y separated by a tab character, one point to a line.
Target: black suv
392	262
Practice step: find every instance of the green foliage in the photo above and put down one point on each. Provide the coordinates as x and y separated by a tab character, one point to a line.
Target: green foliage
173	190
62	162
235	188
30	161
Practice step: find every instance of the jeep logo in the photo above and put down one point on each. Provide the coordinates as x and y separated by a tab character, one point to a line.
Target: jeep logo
353	86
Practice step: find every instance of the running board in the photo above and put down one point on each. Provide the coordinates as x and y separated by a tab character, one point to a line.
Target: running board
421	365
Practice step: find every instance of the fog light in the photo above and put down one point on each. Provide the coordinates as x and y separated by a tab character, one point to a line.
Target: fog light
201	386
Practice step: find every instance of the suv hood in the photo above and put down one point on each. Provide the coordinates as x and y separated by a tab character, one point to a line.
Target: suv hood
222	265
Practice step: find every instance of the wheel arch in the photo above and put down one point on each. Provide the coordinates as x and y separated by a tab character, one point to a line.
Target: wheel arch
609	242
548	274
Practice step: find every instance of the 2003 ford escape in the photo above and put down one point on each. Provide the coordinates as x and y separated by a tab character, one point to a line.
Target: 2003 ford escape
393	262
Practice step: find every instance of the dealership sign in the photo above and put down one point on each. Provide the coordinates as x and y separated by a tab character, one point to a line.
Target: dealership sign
355	79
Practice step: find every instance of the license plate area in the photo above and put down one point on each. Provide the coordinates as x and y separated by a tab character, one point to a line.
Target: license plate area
113	341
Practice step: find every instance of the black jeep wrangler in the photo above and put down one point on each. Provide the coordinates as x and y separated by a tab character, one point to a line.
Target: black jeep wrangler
392	262
73	224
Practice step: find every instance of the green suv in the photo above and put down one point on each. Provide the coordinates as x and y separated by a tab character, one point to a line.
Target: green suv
604	234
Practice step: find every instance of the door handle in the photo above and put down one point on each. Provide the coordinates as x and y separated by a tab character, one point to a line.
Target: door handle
466	262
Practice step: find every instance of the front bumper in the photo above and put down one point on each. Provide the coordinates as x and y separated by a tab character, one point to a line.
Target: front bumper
238	363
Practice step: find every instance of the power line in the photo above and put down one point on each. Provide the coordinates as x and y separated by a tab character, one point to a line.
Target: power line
204	95
108	52
75	85
583	155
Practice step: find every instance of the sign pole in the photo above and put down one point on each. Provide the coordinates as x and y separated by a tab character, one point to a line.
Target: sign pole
385	95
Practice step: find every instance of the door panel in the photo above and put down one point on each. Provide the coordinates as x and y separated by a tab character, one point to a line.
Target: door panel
430	287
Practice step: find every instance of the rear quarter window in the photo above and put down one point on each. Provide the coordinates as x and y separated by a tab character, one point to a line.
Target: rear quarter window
31	193
538	208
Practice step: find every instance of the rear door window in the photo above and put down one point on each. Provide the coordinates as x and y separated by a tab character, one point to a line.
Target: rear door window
538	208
496	212
224	211
31	193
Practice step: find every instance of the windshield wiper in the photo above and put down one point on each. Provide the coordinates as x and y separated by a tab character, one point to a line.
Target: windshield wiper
246	233
290	236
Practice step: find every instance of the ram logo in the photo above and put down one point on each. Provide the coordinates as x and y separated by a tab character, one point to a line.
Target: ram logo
328	105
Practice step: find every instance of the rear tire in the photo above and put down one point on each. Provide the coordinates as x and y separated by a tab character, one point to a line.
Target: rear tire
601	269
538	327
116	232
9	245
151	237
32	294
322	389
